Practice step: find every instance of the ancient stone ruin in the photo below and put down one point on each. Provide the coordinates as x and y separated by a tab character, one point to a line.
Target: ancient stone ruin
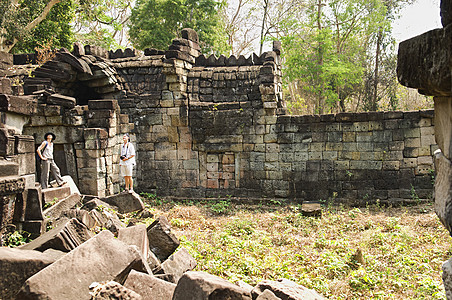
207	127
203	127
424	62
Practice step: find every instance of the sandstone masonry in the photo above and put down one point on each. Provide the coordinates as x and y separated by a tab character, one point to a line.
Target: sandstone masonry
216	126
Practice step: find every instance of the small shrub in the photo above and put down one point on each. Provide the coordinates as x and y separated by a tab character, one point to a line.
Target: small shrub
16	238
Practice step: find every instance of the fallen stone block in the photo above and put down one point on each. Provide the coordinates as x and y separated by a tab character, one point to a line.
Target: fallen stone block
81	215
126	202
267	295
204	286
112	290
17	266
136	235
65	237
34	227
447	278
149	286
311	209
55	194
102	258
70	182
285	289
178	263
96	203
33	207
244	285
105	219
55	211
161	240
55	254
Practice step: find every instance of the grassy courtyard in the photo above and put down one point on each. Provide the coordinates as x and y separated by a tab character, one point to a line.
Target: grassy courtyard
348	253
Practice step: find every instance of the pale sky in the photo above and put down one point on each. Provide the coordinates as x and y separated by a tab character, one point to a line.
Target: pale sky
422	16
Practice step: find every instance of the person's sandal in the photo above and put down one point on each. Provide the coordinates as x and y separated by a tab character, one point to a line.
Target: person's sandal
63	183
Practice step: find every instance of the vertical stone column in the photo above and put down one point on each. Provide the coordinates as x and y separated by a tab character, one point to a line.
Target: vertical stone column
173	147
443	165
423	63
270	89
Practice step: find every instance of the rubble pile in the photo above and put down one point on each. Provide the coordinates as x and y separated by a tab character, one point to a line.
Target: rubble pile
89	253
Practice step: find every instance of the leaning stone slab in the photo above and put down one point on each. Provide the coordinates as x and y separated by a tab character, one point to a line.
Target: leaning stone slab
102	258
17	266
285	289
203	286
70	182
135	235
149	286
443	190
178	263
161	240
126	202
56	210
447	278
65	237
112	290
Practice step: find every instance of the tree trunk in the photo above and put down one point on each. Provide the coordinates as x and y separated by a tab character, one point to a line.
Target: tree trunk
263	26
374	104
320	99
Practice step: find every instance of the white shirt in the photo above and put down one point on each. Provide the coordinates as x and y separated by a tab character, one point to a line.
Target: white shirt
48	151
127	150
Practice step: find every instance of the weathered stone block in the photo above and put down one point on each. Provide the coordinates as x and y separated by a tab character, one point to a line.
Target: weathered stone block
177	264
149	287
125	202
55	194
17	266
33	208
24	144
285	289
103	105
203	286
112	290
422	62
161	240
70	276
24	105
56	210
66	237
64	101
136	235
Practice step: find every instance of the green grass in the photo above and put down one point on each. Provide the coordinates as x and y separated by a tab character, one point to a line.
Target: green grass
401	249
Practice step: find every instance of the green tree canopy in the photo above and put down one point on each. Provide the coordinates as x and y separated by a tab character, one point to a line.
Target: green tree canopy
55	31
155	23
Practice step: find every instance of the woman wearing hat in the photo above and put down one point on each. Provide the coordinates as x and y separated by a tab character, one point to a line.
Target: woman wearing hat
45	152
127	161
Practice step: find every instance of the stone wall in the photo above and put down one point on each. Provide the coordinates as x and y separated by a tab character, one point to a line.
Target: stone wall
216	126
354	157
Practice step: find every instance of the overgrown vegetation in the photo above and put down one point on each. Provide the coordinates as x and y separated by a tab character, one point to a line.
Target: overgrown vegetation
348	253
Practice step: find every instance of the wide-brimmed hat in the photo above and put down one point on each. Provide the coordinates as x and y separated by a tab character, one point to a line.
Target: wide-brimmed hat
50	133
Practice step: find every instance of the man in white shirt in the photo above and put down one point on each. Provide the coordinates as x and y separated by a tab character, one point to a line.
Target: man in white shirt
127	161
